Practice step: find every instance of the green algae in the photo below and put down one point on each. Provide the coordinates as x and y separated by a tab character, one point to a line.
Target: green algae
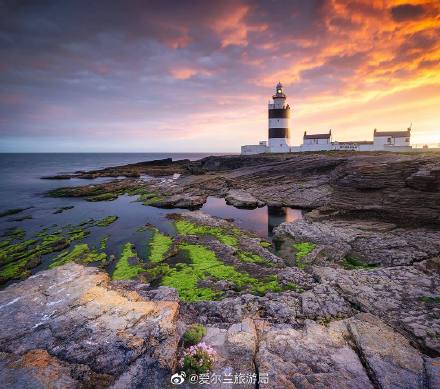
21	218
430	299
103	242
248	257
125	269
302	249
14	270
12	211
17	255
265	244
77	234
352	263
106	221
152	200
204	266
81	253
159	246
185	227
62	209
109	196
14	233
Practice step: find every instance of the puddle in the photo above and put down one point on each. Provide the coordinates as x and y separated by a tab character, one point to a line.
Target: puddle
261	221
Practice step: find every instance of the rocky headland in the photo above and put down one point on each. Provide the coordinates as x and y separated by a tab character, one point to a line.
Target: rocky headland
347	297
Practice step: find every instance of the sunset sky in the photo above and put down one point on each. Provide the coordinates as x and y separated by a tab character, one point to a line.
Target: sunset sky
197	75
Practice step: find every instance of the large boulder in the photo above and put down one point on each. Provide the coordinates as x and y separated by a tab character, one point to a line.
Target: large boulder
72	317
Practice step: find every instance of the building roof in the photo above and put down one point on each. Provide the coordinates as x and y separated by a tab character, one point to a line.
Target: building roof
396	134
356	142
317	136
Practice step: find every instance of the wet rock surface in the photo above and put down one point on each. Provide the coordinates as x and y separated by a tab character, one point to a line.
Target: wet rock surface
390	186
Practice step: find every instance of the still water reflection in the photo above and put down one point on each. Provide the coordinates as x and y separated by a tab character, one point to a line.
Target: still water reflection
262	221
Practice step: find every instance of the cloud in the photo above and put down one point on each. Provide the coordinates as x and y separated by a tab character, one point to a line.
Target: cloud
123	73
405	12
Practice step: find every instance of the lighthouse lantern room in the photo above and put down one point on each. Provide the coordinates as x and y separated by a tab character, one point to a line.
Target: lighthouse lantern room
279	115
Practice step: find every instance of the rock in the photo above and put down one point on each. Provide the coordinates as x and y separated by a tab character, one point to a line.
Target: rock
391	361
242	199
181	201
241	339
312	357
359	352
75	316
387	186
235	348
37	368
403	296
432	368
373	242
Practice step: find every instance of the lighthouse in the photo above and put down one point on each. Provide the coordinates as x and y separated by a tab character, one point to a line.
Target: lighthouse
279	115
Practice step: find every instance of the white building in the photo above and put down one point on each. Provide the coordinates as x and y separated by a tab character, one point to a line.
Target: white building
392	140
279	135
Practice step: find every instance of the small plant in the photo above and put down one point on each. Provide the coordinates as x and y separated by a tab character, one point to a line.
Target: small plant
352	263
430	299
194	334
198	359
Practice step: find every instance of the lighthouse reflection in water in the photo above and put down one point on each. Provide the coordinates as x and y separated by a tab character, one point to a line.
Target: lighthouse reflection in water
262	220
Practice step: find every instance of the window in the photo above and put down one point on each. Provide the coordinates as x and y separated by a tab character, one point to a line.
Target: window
389	140
407	140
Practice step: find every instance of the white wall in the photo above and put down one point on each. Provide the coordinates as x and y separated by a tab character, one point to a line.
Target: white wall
317	147
319	141
279	123
253	149
381	141
278	145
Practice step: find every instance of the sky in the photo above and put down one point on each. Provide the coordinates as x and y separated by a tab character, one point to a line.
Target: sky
196	75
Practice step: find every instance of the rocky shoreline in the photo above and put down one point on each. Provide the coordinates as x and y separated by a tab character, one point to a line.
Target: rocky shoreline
347	297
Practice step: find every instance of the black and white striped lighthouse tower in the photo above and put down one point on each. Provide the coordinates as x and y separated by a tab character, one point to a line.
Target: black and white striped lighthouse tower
279	115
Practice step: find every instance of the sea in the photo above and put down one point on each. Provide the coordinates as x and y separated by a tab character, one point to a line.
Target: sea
21	186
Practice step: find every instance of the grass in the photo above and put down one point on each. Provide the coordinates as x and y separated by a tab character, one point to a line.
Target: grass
81	253
205	265
184	227
125	270
352	263
106	221
159	245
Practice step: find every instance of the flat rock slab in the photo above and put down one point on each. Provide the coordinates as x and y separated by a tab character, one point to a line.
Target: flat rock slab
360	352
242	199
372	241
72	316
406	297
